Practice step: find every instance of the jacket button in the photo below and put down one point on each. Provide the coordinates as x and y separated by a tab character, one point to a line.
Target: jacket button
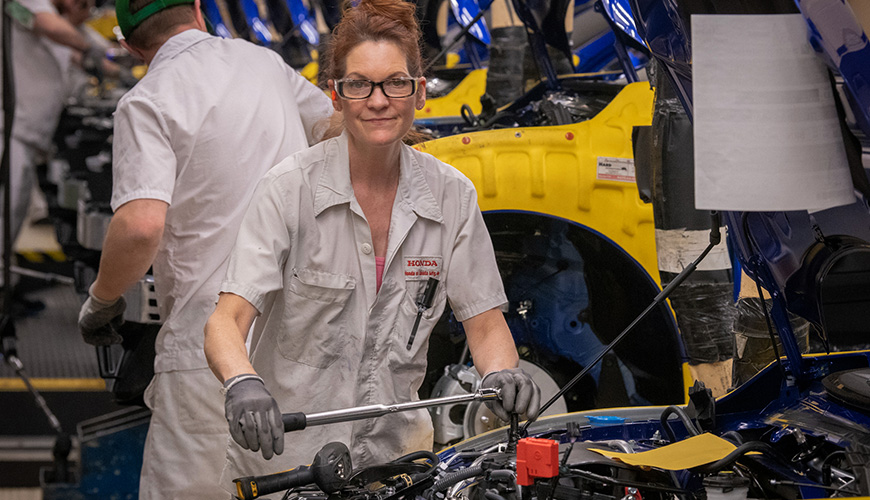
366	248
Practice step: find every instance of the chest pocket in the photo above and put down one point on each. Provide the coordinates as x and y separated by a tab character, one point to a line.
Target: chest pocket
408	366
314	326
413	293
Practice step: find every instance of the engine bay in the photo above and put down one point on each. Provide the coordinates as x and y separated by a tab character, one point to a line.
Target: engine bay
806	443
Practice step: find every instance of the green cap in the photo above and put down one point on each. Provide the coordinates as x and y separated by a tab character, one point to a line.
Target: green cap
129	21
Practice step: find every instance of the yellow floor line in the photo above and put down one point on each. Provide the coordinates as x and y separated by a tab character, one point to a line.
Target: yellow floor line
54	384
32	256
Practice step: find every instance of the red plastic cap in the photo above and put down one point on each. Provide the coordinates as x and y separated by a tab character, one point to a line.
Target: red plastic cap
536	458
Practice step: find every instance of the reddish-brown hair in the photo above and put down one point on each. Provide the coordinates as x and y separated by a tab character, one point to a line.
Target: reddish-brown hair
374	20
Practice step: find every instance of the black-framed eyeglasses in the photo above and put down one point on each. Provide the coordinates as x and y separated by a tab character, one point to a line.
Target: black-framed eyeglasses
350	88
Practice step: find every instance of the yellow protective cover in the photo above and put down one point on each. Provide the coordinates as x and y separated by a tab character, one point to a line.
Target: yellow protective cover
692	452
468	92
557	171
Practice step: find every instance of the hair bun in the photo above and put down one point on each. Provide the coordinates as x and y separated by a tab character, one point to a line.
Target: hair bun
373	20
399	11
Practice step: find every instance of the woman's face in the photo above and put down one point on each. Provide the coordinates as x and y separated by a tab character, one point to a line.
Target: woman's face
378	120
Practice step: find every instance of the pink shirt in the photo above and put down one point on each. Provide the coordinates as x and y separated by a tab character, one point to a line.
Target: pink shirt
379	269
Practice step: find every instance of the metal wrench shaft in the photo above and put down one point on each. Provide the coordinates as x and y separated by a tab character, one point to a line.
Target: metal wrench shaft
299	421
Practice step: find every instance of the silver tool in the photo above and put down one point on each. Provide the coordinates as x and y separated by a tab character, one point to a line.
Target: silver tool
299	421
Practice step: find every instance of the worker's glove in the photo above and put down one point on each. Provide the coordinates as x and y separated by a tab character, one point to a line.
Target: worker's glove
253	415
100	319
92	61
519	393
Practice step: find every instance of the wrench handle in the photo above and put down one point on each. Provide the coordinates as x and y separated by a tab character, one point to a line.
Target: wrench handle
252	487
294	421
299	421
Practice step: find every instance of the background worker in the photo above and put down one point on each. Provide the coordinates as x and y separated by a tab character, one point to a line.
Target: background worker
191	140
44	44
337	246
78	12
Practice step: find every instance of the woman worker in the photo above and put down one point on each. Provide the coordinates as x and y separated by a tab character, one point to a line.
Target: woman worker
336	248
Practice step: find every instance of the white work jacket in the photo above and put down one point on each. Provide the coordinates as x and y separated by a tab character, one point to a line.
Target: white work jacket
326	339
198	132
40	67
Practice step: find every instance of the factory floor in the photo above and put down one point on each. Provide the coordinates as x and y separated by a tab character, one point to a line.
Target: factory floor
61	367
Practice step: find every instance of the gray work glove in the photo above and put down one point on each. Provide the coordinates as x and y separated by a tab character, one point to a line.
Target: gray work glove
519	393
253	415
99	320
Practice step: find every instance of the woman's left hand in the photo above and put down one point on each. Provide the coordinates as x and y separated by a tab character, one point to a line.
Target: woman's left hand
519	393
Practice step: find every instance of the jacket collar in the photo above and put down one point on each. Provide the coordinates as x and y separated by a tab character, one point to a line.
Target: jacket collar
177	44
334	186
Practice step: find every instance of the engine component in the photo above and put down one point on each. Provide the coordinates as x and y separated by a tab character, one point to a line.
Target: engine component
93	222
536	458
142	302
726	486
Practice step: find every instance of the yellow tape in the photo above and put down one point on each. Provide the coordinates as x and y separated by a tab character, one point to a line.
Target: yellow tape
32	256
54	384
692	452
688	380
56	255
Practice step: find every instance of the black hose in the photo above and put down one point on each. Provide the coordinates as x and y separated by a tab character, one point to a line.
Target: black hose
502	474
417	455
468	115
454	477
734	455
492	495
687	422
734	437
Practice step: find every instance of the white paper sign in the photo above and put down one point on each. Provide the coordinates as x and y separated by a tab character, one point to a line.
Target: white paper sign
766	131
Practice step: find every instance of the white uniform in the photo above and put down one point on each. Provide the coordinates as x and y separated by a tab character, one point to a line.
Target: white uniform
198	132
40	67
326	339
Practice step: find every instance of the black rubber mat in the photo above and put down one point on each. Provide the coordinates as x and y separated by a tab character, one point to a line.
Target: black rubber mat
49	343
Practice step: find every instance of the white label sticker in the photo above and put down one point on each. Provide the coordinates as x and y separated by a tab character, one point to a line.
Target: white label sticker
616	169
421	268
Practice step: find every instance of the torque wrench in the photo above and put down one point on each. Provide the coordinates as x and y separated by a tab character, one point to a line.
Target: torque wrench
299	421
